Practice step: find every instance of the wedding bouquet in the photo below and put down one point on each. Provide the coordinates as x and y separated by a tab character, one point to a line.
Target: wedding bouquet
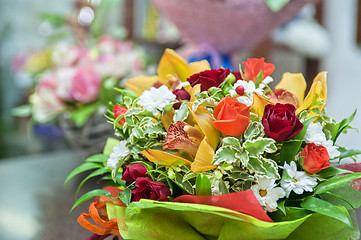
213	154
78	79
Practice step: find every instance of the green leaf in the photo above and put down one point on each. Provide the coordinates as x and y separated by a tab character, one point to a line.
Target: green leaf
230	141
109	145
125	196
21	111
281	206
323	207
81	115
291	148
344	195
343	125
82	168
98	158
89	195
288	213
189	175
263	166
254	130
223	187
182	113
335	182
56	20
228	154
331	172
346	153
203	185
93	174
259	146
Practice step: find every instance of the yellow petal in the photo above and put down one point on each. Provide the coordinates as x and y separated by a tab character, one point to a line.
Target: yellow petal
204	157
318	92
205	122
167	119
259	103
173	64
141	83
196	89
158	156
196	67
294	83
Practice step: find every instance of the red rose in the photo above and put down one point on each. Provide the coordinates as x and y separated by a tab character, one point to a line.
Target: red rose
209	78
119	110
253	66
181	94
315	158
147	189
280	122
132	172
232	117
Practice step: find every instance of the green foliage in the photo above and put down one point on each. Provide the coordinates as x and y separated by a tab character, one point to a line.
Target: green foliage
182	113
89	195
325	208
331	171
97	172
259	146
343	125
228	154
263	166
348	153
125	196
254	131
21	111
203	185
335	182
81	115
82	168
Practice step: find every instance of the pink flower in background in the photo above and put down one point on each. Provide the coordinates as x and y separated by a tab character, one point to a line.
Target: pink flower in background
85	85
69	55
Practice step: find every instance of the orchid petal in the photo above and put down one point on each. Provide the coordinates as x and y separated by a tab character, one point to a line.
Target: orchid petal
294	83
204	157
141	83
200	66
173	64
161	156
318	92
205	122
167	119
196	89
259	103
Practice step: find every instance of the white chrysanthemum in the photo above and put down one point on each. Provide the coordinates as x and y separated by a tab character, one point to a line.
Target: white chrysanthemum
119	151
267	80
298	182
331	149
247	97
314	134
156	99
267	193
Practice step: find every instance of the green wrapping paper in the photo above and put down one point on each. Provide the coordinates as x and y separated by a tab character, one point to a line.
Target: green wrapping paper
154	220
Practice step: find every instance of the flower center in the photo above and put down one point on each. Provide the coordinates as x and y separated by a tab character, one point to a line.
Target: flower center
262	192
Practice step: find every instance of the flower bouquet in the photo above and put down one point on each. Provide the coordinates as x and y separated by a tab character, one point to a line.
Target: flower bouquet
213	154
77	83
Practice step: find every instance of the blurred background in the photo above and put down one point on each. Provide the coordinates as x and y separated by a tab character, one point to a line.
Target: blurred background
304	36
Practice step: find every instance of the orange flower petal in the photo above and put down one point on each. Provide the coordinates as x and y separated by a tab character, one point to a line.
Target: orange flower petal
234	127
259	104
161	156
204	157
141	83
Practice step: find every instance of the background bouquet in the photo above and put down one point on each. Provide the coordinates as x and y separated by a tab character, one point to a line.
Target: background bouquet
213	154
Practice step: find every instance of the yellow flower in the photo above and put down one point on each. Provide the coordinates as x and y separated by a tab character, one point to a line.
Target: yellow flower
171	66
295	83
205	152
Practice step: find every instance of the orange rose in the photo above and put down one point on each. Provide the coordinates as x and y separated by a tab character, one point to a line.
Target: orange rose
119	110
315	158
232	117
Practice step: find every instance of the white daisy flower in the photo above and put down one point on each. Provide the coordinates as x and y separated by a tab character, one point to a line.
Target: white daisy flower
314	134
298	182
119	151
267	193
247	97
156	99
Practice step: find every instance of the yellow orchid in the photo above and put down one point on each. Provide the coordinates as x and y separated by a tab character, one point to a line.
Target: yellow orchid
171	66
295	83
205	152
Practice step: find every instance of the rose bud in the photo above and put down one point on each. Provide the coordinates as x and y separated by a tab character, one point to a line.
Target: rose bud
119	110
232	117
280	122
181	94
315	158
132	172
209	78
254	66
147	189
